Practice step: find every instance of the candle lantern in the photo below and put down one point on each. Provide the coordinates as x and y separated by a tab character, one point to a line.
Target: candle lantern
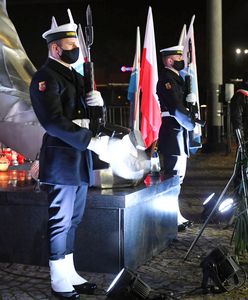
4	162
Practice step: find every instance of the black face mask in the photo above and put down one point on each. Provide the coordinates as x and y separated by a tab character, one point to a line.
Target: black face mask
70	56
178	65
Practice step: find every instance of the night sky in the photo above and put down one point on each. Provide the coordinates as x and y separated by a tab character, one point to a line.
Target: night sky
115	25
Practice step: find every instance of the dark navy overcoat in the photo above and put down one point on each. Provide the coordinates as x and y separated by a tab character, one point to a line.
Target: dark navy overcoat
173	134
57	95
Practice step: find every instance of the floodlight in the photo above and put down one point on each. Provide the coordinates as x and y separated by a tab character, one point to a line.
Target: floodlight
225	208
127	286
223	270
226	205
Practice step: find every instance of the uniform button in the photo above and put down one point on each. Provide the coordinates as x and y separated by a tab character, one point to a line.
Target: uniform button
79	111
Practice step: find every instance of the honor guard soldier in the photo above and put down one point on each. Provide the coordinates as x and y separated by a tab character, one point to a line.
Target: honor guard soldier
60	103
239	108
239	120
173	143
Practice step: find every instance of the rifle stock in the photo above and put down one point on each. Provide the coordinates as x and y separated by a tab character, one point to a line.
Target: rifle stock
89	76
96	113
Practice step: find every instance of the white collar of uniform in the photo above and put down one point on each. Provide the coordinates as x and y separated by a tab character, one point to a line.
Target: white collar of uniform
61	62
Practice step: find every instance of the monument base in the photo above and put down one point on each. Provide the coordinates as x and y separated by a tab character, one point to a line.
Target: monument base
121	227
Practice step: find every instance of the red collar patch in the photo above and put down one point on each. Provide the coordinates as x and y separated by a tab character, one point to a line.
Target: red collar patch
168	86
42	86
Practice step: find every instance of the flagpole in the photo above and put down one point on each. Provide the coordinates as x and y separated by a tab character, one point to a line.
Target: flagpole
134	87
136	122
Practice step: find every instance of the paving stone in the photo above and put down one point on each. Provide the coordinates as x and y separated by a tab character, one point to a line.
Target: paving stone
167	273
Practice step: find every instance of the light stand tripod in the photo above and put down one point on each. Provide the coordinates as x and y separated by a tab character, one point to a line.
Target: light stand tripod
239	161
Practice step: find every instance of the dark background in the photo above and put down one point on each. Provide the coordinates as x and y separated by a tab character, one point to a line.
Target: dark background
115	25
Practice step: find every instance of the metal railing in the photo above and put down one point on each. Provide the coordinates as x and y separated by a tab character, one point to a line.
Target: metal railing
118	115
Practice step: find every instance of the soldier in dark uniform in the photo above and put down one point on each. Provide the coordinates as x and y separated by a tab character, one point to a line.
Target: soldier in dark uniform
239	108
176	119
239	120
60	103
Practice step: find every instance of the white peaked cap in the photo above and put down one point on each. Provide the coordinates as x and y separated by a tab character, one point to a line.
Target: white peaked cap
59	32
175	50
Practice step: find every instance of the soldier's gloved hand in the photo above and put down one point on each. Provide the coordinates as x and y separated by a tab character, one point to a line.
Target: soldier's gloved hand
99	145
191	98
94	98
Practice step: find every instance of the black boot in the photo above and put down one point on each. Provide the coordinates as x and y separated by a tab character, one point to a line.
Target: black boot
86	288
66	295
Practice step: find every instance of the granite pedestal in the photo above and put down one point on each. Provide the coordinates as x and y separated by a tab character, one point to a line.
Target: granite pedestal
121	227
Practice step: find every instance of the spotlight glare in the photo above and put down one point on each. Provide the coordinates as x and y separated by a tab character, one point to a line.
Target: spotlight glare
166	204
208	199
128	285
225	205
115	280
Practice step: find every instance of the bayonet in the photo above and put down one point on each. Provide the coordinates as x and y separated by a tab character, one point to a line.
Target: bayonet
88	65
82	44
89	29
89	16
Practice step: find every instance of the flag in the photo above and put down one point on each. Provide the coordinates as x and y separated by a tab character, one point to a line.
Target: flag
191	69
150	108
133	88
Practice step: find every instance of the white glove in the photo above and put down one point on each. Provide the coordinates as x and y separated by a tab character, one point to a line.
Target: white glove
84	123
126	161
94	98
191	98
99	145
128	146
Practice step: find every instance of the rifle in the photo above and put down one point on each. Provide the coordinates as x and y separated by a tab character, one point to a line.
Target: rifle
96	113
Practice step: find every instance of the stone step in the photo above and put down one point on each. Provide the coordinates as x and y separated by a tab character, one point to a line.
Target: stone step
206	174
209	173
206	189
201	182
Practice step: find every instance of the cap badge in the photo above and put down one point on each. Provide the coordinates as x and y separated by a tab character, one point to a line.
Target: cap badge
71	33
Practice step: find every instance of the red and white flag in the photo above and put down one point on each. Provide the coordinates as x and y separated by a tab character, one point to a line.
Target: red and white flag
150	108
